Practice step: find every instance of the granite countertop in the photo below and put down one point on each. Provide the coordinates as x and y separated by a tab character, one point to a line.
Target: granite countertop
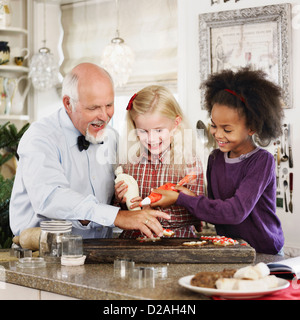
99	281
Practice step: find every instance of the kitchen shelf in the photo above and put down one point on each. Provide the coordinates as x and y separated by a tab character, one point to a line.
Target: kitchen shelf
13	30
18	35
12	68
14	117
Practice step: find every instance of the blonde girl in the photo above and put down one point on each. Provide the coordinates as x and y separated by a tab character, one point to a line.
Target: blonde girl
160	149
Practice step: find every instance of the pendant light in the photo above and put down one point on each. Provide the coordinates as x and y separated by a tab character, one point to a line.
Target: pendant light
43	67
117	57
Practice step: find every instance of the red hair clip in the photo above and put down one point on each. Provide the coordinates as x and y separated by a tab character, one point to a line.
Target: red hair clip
236	94
129	106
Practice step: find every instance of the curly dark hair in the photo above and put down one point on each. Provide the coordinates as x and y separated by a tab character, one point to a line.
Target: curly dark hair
262	104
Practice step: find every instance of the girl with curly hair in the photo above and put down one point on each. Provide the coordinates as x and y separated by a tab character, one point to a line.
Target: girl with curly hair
241	177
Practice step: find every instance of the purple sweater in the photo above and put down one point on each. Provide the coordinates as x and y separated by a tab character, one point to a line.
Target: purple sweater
241	199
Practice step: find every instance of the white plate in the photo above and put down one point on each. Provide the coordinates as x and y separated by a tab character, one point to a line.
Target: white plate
232	294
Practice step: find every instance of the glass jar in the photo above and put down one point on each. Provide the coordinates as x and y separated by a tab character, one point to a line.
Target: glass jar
72	250
51	236
72	246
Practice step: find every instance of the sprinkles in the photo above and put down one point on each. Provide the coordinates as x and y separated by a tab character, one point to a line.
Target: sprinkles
220	240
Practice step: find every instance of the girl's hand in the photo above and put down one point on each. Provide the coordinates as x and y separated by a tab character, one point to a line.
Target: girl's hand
185	191
135	202
120	190
168	198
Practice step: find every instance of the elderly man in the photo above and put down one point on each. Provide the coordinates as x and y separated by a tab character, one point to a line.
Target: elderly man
61	173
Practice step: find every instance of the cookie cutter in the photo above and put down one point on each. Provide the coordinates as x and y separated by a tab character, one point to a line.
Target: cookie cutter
139	276
145	277
20	253
142	277
123	267
161	272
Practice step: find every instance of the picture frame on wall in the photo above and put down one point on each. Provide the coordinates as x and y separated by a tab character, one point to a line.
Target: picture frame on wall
258	37
222	1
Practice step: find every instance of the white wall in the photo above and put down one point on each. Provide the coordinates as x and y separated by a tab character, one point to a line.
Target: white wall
47	101
189	93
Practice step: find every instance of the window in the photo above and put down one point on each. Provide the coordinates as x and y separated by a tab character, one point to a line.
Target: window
149	27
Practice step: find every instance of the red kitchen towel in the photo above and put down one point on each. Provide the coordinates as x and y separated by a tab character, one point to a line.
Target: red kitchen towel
290	293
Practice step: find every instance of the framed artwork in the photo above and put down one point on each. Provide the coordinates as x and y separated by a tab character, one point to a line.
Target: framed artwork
256	37
222	1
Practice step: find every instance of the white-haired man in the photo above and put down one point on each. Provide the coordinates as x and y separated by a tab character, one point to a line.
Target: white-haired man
59	174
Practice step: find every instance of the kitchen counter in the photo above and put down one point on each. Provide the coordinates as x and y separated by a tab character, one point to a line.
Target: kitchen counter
99	282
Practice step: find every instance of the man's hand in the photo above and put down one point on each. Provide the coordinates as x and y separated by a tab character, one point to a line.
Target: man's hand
143	220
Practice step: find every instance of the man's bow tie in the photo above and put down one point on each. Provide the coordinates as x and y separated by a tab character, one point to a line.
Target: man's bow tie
82	143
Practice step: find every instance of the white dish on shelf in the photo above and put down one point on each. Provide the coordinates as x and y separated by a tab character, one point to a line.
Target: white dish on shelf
14	29
13	68
231	294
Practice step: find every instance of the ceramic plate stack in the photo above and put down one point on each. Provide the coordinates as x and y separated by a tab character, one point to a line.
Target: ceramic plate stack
56	226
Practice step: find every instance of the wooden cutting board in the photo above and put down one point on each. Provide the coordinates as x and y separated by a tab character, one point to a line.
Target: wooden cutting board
166	250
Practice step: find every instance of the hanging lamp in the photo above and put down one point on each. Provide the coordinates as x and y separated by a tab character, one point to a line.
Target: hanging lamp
43	69
117	57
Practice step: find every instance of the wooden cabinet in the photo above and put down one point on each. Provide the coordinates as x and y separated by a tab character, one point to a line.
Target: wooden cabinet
17	85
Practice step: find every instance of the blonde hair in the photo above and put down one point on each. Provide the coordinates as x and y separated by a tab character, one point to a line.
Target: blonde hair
158	99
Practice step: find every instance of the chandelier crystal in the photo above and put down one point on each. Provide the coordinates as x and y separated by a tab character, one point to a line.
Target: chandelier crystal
118	58
43	69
